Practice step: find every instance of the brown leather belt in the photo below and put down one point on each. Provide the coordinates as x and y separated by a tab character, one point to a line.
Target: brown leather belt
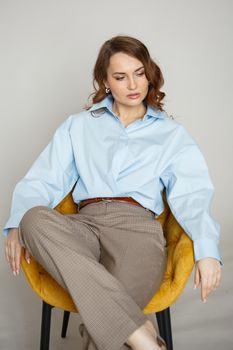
119	199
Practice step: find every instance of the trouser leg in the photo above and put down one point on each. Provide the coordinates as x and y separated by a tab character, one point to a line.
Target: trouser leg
133	250
70	252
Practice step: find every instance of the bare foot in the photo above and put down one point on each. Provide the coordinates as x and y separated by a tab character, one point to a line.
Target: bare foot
149	325
146	338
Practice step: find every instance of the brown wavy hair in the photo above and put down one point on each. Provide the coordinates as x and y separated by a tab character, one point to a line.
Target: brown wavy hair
135	48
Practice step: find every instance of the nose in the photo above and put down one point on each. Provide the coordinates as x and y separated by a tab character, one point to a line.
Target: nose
131	83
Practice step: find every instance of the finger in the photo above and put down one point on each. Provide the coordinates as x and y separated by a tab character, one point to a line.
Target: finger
209	284
217	281
209	289
17	259
214	284
12	257
27	256
204	289
12	262
6	253
196	278
9	253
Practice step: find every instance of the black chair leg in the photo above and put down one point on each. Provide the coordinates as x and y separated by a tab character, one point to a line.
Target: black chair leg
65	322
45	326
164	324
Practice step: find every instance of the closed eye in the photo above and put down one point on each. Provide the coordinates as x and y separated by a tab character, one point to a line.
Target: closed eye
139	75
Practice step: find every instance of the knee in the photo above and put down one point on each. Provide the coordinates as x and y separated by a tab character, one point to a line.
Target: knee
32	219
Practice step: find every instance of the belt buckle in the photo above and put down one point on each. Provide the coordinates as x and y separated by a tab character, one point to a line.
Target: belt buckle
106	200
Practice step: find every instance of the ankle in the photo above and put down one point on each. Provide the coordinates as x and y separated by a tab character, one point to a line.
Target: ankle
146	337
143	338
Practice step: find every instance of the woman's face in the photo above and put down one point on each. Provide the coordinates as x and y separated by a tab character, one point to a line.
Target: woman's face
126	75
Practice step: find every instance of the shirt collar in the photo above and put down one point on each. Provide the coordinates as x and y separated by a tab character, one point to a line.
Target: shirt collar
108	101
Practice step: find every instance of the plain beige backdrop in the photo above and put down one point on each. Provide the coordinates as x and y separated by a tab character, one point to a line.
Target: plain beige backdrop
48	50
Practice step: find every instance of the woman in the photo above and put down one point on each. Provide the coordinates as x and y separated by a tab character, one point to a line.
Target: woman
118	155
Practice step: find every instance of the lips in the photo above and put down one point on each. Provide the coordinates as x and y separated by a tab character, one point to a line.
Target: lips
133	95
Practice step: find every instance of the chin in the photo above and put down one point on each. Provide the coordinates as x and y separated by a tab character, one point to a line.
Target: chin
132	103
135	102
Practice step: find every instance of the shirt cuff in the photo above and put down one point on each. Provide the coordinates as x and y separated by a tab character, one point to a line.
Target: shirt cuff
204	248
13	222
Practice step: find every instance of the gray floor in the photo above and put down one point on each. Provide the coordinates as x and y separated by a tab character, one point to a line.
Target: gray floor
195	325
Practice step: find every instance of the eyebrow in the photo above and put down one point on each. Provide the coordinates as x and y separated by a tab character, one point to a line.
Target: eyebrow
124	73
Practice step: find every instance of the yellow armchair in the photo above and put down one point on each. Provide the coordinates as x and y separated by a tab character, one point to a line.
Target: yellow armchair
180	262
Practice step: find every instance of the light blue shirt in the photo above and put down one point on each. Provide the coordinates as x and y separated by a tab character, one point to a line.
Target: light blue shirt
95	151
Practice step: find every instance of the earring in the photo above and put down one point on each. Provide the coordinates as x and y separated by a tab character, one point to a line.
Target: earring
107	90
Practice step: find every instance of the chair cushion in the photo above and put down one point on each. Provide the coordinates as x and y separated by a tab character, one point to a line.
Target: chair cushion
180	262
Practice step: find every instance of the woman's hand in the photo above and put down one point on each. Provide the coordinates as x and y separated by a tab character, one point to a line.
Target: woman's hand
208	274
13	250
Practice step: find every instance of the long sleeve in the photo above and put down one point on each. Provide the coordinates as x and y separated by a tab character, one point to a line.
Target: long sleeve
189	191
49	179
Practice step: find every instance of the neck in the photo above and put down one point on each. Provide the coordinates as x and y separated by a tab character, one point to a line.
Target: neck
128	113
